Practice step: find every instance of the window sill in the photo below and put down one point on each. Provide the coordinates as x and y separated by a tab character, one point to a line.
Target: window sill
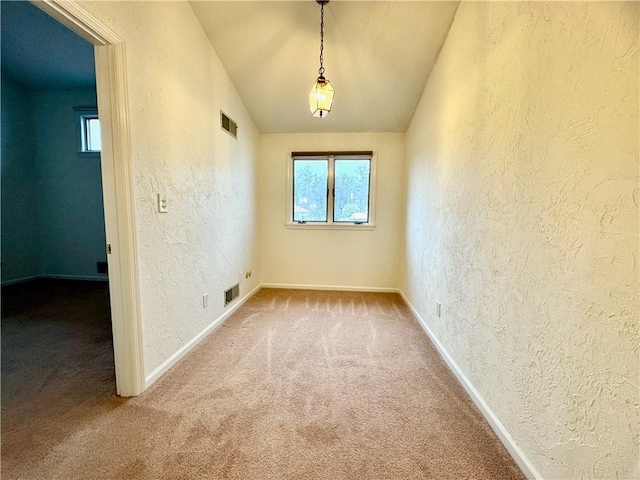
329	226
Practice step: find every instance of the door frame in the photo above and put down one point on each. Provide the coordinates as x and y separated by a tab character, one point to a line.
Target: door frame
117	188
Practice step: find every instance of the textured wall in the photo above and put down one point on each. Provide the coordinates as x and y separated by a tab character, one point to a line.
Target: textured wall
70	186
177	87
522	178
20	208
331	257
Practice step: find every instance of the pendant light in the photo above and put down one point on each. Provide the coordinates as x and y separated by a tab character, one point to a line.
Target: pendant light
321	96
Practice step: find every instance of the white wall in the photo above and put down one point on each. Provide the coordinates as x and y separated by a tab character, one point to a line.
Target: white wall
522	219
70	187
20	193
336	258
177	87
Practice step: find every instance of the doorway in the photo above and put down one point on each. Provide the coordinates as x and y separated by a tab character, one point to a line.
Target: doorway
57	346
117	190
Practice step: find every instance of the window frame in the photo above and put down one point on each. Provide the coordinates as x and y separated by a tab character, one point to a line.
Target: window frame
330	224
83	114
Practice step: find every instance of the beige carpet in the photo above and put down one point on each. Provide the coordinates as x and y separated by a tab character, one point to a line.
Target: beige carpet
295	385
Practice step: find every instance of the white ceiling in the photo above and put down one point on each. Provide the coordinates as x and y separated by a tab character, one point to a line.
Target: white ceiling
377	56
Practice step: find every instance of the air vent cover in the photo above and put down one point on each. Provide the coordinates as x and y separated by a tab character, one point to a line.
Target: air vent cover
228	125
231	294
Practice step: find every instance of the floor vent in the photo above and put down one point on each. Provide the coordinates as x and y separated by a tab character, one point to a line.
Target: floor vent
228	125
231	294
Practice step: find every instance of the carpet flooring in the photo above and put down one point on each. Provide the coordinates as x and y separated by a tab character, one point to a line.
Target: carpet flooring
294	385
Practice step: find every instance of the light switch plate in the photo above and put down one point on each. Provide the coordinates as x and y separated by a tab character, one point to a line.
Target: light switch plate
162	203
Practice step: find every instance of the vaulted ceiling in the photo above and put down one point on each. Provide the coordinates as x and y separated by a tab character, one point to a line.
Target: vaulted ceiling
377	56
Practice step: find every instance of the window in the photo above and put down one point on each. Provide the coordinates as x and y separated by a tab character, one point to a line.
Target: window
90	136
331	190
91	139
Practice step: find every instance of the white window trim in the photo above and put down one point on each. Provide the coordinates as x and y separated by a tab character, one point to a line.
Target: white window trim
330	224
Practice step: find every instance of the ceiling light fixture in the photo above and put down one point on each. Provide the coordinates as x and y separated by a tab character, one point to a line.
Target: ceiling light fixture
321	96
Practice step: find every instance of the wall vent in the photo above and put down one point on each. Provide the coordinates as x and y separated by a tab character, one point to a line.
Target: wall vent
231	294
228	125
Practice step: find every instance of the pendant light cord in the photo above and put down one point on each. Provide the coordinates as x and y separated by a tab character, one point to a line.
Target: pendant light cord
321	69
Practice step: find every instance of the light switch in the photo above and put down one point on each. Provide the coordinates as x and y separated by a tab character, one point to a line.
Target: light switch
162	204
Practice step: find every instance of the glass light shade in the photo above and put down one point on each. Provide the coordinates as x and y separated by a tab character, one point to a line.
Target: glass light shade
321	98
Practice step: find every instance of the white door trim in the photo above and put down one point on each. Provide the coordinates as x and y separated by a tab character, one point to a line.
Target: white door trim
117	186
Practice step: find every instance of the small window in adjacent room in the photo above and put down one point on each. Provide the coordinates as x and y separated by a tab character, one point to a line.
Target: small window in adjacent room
91	139
331	190
90	136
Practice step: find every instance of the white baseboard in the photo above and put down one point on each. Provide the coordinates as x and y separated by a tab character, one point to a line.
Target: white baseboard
89	278
298	286
507	440
176	357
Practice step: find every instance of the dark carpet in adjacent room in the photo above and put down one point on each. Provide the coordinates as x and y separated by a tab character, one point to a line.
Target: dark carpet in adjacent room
294	385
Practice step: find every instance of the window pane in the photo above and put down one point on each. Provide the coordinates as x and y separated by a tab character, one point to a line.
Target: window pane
351	202
94	139
310	190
